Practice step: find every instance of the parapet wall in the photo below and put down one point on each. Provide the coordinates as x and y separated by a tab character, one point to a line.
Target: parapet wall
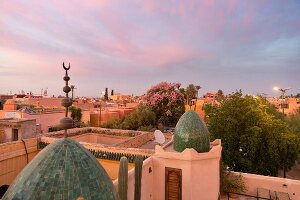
147	181
253	181
135	140
78	131
13	158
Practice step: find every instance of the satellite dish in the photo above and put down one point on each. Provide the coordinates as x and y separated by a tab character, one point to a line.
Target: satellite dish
159	137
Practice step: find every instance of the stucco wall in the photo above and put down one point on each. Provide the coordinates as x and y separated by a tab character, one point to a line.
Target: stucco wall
147	181
86	116
46	119
99	138
27	130
101	147
7	134
200	172
13	158
138	140
254	181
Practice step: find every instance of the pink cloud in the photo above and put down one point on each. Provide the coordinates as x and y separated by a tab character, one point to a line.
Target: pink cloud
232	5
248	17
168	54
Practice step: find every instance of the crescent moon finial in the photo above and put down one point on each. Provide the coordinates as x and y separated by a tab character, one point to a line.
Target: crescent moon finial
66	68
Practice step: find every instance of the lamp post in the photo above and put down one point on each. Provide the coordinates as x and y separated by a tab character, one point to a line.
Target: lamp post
282	91
100	114
72	89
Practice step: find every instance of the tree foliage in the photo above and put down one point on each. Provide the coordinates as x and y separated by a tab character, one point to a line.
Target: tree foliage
192	92
143	118
76	113
166	101
293	122
106	94
220	95
254	138
231	182
297	95
114	123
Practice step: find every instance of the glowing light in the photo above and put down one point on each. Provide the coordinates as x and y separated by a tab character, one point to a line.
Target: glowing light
276	88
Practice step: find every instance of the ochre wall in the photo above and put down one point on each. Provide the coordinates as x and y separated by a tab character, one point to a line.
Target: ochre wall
13	158
199	108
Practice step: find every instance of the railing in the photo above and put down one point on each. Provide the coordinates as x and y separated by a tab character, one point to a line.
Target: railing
247	196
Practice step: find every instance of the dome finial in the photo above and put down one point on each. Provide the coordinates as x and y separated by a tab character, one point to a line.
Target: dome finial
191	132
66	122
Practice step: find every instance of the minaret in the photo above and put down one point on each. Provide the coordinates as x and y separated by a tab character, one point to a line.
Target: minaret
66	122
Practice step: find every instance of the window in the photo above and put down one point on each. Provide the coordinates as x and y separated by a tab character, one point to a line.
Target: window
284	105
173	184
15	135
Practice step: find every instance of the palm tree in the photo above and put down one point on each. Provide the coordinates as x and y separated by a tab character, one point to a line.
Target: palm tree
198	87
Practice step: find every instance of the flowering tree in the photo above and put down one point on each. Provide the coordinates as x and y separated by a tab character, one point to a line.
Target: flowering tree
166	101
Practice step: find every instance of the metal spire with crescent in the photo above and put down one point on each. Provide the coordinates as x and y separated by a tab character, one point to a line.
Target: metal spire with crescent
66	122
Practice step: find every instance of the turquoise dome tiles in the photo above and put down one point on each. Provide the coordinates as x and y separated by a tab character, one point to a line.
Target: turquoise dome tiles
63	170
191	132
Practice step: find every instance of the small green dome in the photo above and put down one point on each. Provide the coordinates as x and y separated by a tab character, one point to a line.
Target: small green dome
191	132
63	170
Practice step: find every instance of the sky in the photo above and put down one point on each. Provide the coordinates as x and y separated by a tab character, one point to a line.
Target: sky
131	45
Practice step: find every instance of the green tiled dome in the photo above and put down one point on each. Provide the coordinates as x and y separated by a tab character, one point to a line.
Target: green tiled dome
63	170
191	132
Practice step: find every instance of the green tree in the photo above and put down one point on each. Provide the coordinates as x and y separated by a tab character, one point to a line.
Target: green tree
182	90
197	87
297	95
76	114
254	140
114	123
293	122
143	118
106	94
220	95
191	92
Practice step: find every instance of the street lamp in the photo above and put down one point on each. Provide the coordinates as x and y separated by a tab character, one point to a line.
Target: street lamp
72	89
283	91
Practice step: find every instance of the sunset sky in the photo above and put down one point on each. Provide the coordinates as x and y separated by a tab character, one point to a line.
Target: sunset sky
129	46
